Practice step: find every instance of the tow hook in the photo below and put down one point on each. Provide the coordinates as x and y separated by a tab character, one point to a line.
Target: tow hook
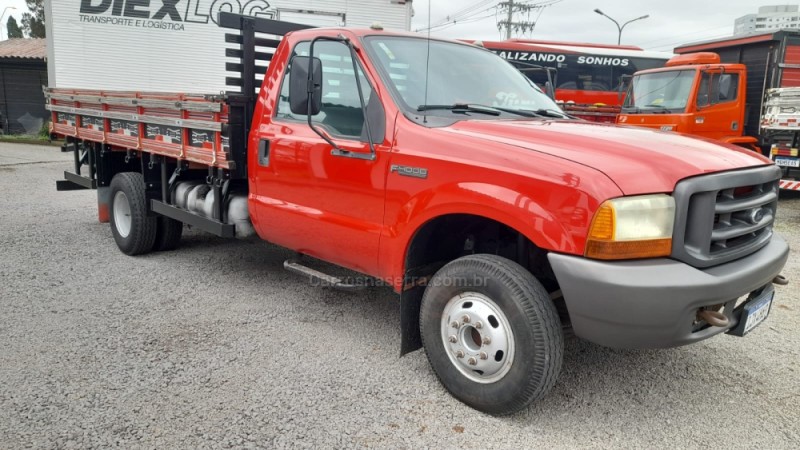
780	280
714	318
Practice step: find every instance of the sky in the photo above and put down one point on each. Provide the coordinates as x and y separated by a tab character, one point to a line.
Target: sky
671	22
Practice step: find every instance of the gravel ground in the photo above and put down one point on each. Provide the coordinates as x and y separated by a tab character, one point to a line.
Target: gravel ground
215	346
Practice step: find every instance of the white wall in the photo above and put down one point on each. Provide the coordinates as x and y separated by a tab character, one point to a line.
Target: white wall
182	51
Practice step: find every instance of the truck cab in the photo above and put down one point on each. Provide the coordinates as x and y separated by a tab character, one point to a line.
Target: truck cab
693	94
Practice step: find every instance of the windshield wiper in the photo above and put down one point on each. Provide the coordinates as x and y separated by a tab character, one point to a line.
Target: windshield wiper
554	113
496	110
538	113
459	107
662	109
519	112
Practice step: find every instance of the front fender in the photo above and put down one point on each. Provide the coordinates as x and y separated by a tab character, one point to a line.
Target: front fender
553	218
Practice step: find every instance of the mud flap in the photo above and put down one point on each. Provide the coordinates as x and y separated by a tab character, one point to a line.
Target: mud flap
103	204
410	302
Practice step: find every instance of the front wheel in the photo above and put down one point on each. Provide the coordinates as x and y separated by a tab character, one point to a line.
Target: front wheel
491	333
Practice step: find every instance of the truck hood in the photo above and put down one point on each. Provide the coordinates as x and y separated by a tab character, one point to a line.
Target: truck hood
638	160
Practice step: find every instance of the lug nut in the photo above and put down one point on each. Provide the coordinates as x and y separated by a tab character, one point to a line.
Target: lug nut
465	319
478	325
487	341
483	355
472	361
459	354
454	324
452	339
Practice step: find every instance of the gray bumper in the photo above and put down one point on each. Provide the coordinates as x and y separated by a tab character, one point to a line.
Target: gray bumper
653	303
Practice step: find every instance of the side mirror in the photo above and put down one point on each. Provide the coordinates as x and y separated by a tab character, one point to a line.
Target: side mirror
299	89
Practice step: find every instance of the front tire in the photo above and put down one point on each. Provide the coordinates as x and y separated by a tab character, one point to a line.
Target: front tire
134	231
491	333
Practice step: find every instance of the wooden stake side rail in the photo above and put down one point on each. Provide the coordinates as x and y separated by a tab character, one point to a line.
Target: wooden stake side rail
187	127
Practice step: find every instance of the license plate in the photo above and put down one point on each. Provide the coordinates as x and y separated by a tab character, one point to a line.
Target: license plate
754	312
787	162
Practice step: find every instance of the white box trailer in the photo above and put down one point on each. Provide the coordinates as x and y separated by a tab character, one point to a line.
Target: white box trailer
176	45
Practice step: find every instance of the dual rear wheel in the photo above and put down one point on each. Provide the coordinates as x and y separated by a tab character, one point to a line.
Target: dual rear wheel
134	231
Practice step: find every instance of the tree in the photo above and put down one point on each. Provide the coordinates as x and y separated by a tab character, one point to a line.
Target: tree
33	21
14	31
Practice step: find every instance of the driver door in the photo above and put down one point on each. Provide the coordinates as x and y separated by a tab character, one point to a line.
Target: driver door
309	198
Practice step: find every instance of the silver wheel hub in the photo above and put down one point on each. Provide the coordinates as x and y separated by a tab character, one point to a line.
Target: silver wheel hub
122	214
477	337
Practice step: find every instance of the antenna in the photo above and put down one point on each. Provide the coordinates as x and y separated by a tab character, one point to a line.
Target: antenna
427	64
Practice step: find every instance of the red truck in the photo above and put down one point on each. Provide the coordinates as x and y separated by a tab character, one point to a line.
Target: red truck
586	79
497	221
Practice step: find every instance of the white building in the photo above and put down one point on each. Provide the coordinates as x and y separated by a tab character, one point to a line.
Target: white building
769	18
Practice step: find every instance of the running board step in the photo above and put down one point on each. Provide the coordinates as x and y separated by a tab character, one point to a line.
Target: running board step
322	279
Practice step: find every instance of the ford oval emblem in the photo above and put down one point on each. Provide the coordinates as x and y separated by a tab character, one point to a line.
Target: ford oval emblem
757	215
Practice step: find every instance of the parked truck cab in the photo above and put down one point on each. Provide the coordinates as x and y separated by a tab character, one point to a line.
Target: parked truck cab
496	218
692	94
742	90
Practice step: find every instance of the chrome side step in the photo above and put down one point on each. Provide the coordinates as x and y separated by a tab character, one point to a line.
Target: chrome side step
318	278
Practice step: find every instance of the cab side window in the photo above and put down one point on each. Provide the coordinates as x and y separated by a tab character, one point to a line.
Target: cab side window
717	88
341	113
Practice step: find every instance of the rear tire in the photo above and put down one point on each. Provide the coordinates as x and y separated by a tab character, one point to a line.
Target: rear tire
491	333
168	234
134	231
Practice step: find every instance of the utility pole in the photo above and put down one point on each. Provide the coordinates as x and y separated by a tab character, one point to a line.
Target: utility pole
510	19
511	7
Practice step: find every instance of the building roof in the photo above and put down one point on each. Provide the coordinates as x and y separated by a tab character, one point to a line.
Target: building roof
24	48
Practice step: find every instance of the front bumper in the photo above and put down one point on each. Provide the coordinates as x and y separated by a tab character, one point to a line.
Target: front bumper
653	303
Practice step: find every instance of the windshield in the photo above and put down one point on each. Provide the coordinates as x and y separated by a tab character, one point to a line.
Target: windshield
457	75
660	91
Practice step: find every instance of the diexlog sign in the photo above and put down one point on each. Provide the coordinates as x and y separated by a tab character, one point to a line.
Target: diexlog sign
176	45
166	14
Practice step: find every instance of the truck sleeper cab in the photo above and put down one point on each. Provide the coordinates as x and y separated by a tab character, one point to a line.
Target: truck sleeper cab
497	219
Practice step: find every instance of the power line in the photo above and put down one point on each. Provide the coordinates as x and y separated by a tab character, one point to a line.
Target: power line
657	41
477	12
463	14
461	22
512	7
669	45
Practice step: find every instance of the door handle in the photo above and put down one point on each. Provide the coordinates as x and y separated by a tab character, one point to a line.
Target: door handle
263	153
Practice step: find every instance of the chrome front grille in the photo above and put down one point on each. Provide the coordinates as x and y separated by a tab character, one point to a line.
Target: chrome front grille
724	216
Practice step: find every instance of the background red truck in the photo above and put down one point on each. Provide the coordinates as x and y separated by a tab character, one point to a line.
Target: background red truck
497	220
589	80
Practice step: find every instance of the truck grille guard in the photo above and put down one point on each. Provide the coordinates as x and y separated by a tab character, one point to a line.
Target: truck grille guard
724	216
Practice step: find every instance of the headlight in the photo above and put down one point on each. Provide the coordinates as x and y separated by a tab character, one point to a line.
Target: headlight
632	228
